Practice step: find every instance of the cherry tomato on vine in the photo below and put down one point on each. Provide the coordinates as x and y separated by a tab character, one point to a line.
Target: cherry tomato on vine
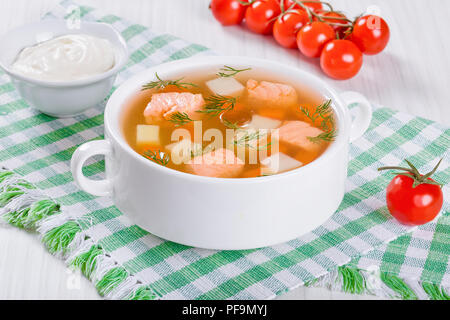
260	15
412	198
371	34
287	25
313	5
341	59
228	12
312	38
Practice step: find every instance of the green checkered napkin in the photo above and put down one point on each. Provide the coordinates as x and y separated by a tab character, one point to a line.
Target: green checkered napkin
125	262
415	266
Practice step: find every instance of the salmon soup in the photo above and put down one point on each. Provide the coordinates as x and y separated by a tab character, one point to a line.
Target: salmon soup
228	123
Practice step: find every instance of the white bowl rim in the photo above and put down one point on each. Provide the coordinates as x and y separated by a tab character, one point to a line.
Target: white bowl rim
120	44
122	93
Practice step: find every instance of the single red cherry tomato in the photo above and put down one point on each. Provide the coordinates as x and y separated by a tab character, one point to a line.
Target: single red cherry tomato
312	38
313	5
228	12
341	59
412	198
260	15
287	25
371	34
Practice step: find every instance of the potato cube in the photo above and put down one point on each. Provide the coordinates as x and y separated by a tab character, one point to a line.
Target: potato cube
259	122
147	135
277	163
225	86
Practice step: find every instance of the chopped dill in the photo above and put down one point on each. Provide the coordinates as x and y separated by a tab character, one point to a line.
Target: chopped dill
324	136
264	147
201	150
228	71
246	139
161	84
196	153
323	112
179	118
158	157
230	124
197	150
217	104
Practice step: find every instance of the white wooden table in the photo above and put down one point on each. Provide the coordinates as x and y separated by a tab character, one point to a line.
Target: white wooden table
412	75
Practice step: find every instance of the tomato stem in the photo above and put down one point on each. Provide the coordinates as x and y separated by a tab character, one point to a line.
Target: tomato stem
307	9
322	2
282	7
246	3
334	18
322	18
413	173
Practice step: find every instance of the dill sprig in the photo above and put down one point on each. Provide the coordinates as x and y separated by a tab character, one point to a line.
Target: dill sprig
201	150
158	157
323	112
197	152
161	84
228	71
246	139
263	147
179	118
217	104
328	136
229	124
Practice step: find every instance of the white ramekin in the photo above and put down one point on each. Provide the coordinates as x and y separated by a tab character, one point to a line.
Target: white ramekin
68	98
223	213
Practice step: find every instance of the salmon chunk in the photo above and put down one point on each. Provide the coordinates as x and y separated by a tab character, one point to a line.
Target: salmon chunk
278	94
163	105
221	163
296	133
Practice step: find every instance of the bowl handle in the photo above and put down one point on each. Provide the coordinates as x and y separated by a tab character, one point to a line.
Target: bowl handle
83	153
362	119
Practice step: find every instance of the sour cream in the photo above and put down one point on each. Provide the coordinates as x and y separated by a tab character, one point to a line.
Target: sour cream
66	58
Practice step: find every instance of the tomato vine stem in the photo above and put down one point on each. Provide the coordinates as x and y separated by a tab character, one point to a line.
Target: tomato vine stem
322	18
413	173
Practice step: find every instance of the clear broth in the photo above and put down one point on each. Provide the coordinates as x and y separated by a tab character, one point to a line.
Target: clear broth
133	115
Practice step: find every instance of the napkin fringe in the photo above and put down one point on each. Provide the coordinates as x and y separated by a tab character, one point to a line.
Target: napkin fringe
353	280
23	206
20	204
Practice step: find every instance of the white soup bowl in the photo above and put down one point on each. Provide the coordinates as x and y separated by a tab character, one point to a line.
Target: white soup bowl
218	213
